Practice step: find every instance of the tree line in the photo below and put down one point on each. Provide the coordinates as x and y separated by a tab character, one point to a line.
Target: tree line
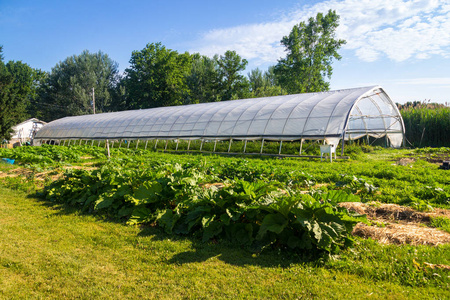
158	76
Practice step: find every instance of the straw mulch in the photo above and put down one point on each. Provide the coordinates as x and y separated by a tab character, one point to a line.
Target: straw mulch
395	224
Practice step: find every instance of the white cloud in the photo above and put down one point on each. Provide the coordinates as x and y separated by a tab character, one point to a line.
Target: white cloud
255	41
396	29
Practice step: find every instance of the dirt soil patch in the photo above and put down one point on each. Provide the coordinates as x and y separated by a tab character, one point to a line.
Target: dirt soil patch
23	172
435	158
41	176
404	161
218	185
395	224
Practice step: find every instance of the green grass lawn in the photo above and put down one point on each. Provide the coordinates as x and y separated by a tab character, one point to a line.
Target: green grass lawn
54	252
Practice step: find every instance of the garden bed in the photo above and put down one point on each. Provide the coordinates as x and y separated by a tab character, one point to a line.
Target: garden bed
396	224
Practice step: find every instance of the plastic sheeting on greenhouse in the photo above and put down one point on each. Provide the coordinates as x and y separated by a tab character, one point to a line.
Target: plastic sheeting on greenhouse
332	116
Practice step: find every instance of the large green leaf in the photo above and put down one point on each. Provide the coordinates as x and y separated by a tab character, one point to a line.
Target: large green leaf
245	234
316	230
195	216
234	213
212	229
139	215
225	219
148	192
337	196
272	222
167	219
206	220
103	202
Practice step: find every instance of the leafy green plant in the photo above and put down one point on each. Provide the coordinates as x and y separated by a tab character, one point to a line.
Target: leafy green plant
256	213
356	185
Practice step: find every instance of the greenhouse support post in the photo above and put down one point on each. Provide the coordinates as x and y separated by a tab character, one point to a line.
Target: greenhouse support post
245	145
262	146
281	144
107	148
229	146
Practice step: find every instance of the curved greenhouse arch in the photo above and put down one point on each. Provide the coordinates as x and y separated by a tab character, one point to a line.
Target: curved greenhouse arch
332	116
380	117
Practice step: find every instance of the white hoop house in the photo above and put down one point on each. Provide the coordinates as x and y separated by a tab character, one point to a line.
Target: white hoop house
332	116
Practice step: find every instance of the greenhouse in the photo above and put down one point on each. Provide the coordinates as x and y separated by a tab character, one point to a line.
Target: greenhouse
331	117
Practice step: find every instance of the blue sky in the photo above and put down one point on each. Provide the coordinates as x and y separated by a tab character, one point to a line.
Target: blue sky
404	46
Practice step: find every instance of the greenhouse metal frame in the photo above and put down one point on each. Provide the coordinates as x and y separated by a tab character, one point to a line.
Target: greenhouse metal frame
331	116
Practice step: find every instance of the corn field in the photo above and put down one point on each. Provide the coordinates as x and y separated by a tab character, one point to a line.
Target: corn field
426	124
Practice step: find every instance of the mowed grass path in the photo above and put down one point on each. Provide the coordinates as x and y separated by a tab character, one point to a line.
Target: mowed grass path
51	253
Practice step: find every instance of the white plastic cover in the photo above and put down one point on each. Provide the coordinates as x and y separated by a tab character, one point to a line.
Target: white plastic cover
349	114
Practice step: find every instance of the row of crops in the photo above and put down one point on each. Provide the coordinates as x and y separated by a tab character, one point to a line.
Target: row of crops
252	202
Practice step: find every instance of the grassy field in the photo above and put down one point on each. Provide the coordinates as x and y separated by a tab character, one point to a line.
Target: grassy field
52	252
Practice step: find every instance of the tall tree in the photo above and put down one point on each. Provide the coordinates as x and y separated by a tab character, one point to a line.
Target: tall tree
232	84
25	85
6	100
156	77
17	88
263	84
37	108
256	80
203	80
68	88
310	49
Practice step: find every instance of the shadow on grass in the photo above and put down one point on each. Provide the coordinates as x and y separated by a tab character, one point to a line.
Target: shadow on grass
221	249
235	255
230	253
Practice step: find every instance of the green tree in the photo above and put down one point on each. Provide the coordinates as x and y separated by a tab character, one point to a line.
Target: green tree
25	85
263	85
256	80
17	88
119	100
310	49
232	84
203	80
68	88
157	77
6	101
35	107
